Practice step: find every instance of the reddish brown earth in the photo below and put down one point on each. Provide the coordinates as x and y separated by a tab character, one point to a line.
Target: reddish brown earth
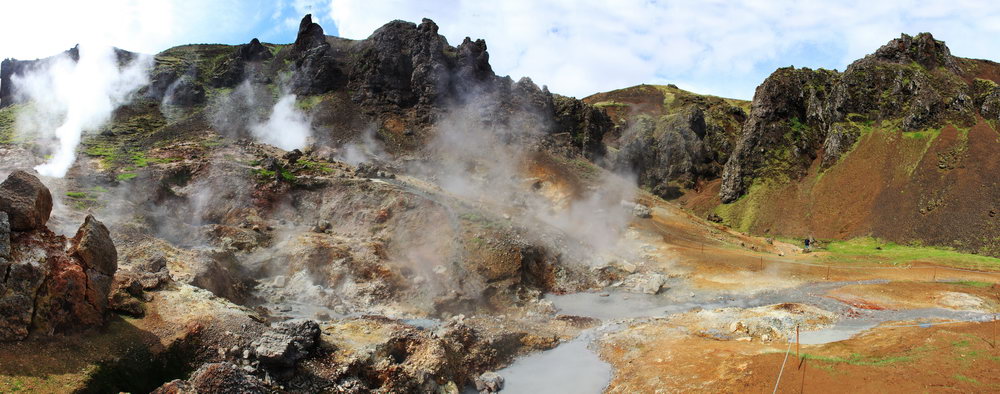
942	190
959	358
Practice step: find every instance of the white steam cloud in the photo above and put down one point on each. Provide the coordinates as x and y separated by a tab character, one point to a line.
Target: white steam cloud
286	128
72	97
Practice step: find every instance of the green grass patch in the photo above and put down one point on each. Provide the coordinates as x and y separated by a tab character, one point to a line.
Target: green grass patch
269	175
859	360
922	134
610	103
868	249
314	166
972	283
125	176
308	102
963	378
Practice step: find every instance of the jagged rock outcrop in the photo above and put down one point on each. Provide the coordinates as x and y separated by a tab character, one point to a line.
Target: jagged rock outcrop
584	123
317	67
246	62
664	150
310	34
786	117
914	82
46	288
670	138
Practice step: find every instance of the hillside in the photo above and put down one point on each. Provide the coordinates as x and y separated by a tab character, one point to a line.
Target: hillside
899	146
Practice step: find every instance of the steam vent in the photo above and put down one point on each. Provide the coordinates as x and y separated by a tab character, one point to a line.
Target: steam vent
394	214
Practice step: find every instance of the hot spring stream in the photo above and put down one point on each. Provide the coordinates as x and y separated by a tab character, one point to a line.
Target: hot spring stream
574	366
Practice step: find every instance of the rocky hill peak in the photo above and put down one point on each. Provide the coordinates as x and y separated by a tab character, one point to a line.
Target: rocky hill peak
310	34
922	49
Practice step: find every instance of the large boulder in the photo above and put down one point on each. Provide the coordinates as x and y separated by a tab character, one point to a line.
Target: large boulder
287	343
93	245
223	378
26	201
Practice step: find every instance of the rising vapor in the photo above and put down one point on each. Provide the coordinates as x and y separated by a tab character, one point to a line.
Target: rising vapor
71	97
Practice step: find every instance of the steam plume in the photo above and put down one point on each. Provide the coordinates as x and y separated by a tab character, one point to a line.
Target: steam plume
287	128
77	96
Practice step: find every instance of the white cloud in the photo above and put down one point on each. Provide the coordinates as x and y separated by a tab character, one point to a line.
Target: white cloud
41	28
576	47
579	47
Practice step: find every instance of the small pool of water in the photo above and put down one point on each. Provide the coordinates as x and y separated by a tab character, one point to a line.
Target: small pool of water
570	368
848	328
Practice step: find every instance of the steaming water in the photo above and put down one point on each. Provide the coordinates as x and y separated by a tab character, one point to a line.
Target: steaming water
848	328
574	368
570	368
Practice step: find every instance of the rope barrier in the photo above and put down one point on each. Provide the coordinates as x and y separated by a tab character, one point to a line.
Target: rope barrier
789	350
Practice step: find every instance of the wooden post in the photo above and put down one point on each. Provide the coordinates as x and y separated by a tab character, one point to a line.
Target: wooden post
761	263
994	331
828	272
797	342
935	273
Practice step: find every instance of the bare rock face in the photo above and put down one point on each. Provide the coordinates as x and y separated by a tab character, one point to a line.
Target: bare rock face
796	113
47	289
244	63
287	343
310	34
92	245
26	200
4	236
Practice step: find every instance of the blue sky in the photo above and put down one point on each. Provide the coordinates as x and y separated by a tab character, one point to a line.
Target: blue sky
576	47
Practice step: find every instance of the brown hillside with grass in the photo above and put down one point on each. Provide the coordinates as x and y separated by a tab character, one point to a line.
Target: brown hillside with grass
933	186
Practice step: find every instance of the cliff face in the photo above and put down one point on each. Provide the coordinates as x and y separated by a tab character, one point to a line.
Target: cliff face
800	114
884	148
669	138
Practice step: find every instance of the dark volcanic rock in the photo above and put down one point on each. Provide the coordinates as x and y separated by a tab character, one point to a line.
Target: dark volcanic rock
401	65
4	236
317	70
785	123
310	34
665	150
246	62
922	49
254	51
223	378
26	200
585	123
914	81
185	91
